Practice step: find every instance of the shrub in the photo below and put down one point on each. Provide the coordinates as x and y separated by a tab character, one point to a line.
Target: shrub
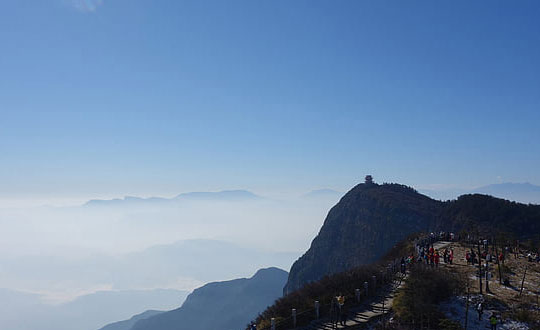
425	289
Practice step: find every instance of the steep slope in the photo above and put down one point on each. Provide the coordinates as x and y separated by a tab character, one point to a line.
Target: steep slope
128	324
371	218
365	224
222	305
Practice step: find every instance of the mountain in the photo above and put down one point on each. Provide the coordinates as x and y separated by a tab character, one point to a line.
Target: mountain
521	192
365	223
87	312
371	218
226	195
128	324
184	264
518	192
95	310
222	305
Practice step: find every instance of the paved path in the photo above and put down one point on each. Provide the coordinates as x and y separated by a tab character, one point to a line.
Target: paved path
362	315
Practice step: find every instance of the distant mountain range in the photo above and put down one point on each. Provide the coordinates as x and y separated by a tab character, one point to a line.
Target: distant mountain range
226	195
87	312
188	261
519	192
221	305
128	324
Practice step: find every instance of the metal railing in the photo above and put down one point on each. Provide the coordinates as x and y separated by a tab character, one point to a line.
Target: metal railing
326	312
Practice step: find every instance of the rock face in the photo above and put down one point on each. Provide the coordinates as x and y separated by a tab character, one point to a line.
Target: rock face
222	305
366	223
372	218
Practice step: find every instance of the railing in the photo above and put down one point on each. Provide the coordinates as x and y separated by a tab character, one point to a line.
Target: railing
327	312
322	312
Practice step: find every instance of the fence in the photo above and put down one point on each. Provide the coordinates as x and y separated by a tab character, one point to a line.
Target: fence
327	311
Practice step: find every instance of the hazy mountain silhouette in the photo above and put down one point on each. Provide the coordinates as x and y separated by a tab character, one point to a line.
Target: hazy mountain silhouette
518	192
226	195
189	261
87	312
128	324
222	305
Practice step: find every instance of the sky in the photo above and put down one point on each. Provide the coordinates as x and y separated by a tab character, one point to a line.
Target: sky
132	97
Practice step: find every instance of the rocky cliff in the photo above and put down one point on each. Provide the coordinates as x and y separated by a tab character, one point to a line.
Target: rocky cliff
371	218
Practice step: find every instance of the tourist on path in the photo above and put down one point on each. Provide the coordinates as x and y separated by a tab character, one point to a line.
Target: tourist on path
341	304
480	310
493	322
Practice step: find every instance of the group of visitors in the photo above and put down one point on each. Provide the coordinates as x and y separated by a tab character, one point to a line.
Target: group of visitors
432	257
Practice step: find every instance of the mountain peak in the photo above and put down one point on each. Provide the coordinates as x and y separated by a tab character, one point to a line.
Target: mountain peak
371	218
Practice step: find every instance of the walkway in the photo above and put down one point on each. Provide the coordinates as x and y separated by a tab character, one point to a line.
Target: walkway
361	315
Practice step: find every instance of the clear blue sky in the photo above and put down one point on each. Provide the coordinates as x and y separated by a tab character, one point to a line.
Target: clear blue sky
158	97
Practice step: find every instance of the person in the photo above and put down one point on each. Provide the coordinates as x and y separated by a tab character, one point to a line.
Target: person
493	322
451	257
403	267
341	307
468	257
333	312
480	310
436	259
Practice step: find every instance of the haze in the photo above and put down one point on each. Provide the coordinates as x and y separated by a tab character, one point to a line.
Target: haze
286	105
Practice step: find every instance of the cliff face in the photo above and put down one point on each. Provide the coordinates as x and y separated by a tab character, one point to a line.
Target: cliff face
372	218
361	228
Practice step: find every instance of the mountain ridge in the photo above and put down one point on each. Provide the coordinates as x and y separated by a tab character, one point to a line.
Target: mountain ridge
371	218
224	195
222	305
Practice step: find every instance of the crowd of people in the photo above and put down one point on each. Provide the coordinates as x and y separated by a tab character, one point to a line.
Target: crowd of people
426	253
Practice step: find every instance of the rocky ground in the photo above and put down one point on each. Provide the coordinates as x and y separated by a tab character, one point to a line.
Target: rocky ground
515	308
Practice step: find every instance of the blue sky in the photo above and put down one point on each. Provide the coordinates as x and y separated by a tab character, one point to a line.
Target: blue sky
114	97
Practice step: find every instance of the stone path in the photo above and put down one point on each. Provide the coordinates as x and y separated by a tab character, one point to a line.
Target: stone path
362	315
